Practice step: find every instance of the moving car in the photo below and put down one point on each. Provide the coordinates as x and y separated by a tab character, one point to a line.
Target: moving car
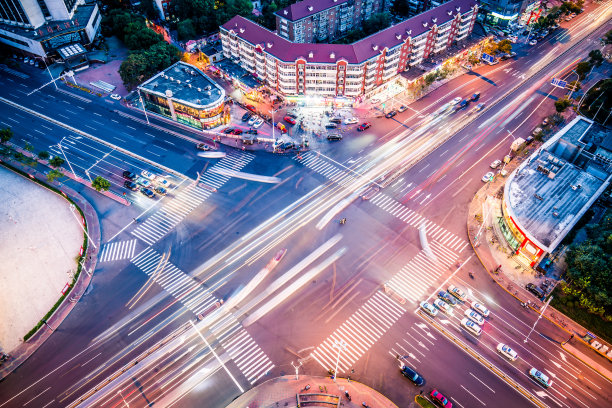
128	175
115	97
447	298
334	136
495	164
540	377
402	109
350	121
429	309
143	181
252	120
147	175
337	121
474	316
440	399
130	185
488	177
391	114
481	309
507	352
281	127
456	292
364	126
236	132
494	62
228	130
461	105
442	305
533	42
455	101
475	96
412	375
163	182
147	192
160	190
286	146
258	123
251	132
330	126
250	107
203	146
247	116
289	119
479	107
471	326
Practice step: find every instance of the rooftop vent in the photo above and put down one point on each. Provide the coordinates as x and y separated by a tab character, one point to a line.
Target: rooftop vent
178	81
208	87
242	30
171	79
192	72
539	197
332	55
269	45
425	24
398	36
409	32
208	93
189	85
285	12
310	8
198	101
434	19
458	9
375	47
199	89
310	54
555	214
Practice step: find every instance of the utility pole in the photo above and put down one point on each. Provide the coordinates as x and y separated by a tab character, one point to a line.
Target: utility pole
538	319
296	369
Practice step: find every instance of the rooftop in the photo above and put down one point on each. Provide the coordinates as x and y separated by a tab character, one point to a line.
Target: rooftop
549	193
357	52
301	9
186	84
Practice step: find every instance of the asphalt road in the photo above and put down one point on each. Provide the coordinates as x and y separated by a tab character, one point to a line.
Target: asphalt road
218	243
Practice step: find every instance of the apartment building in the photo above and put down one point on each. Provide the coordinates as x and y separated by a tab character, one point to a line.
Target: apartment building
346	70
324	20
38	27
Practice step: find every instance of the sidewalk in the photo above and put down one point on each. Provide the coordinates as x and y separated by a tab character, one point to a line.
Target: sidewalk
92	224
286	391
493	251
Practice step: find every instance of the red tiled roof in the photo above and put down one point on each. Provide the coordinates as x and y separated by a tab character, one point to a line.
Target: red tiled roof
357	52
306	8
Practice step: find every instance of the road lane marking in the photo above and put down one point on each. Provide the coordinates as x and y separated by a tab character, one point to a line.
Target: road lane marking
475	397
480	381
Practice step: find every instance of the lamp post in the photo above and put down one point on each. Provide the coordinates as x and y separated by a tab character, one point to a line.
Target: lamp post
65	157
143	107
538	319
572	90
340	345
72	209
272	112
48	70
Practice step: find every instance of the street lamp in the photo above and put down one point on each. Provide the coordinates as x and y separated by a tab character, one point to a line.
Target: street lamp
340	345
574	87
538	319
65	157
72	209
48	70
272	112
143	107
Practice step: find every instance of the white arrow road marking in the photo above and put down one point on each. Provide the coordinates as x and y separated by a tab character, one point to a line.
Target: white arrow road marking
425	199
506	70
563	357
445	322
418	351
542	394
430	335
421	326
559	366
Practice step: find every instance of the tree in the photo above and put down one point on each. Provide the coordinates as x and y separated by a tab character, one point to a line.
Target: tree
504	46
608	37
376	22
139	38
400	8
44	155
56	162
596	58
28	147
6	134
582	69
132	70
186	29
100	184
54	175
562	104
150	9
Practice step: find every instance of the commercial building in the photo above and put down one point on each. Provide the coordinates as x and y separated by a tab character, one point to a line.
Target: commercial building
346	70
504	12
547	194
324	20
186	95
41	27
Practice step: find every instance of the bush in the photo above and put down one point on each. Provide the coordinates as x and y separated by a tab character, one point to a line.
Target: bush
562	104
44	155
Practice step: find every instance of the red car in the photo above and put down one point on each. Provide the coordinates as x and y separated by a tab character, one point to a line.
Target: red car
440	399
364	126
289	119
237	132
250	107
281	127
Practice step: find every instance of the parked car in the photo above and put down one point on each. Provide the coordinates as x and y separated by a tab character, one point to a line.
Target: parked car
331	126
289	119
456	292
252	120
447	298
160	190
251	132
494	62
488	177
236	132
440	399
545	122
228	130
474	316
481	309
495	164
143	181
334	136
412	375
535	290
391	114
247	116
533	42
128	175
442	305
130	185
147	192
471	327
250	107
203	146
336	120
402	109
364	126
507	352
116	97
541	378
429	309
258	123
350	121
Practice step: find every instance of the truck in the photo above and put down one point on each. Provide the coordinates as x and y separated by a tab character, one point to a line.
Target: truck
517	143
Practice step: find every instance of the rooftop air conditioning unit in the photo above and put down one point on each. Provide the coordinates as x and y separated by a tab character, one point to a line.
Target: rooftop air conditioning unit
171	79
310	8
178	82
199	89
198	101
208	93
189	85
208	87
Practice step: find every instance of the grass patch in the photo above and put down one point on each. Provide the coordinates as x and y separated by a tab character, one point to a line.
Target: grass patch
424	402
570	306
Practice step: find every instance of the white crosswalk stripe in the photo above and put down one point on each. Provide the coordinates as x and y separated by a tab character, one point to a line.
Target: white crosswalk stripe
177	208
323	167
248	356
118	250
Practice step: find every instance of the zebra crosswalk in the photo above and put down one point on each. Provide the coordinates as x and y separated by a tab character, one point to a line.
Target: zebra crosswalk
118	250
412	218
311	160
177	208
252	362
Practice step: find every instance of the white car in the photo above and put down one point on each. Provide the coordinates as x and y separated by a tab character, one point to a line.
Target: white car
487	177
495	164
480	308
455	101
147	175
442	305
474	316
533	42
402	108
471	326
429	309
507	352
456	292
161	181
252	120
115	97
258	123
540	378
143	182
350	121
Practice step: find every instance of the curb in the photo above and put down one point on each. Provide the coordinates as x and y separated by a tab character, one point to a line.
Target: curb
585	363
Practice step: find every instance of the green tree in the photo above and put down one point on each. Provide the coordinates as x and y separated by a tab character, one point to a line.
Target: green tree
150	9
562	104
400	8
100	184
54	175
6	134
44	155
28	147
139	38
596	57
18	156
193	8
582	69
376	22
132	70
608	37
504	46
186	29
56	162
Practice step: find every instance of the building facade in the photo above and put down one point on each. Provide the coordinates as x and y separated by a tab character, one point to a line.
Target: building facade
346	70
40	27
324	20
186	95
504	12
